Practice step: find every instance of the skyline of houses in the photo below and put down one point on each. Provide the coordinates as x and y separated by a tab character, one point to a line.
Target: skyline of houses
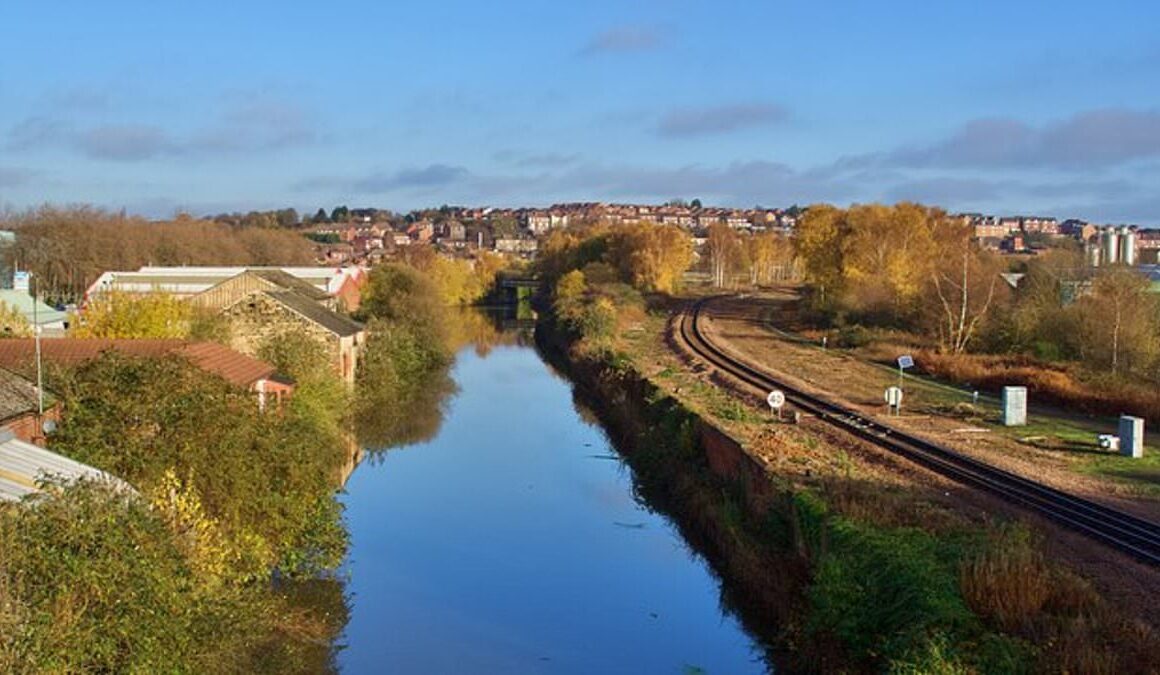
515	231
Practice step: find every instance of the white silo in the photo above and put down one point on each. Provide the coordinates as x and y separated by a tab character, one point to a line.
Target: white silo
1127	246
1091	251
1110	244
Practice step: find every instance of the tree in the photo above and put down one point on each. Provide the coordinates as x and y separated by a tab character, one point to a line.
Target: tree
400	294
66	249
888	252
570	290
725	253
770	257
12	322
1119	321
287	217
696	204
965	286
320	216
340	214
652	257
818	241
116	314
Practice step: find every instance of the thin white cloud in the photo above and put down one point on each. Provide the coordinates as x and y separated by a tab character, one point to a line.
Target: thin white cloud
623	39
685	122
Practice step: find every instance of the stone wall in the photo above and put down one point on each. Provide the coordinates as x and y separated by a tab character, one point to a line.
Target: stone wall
256	319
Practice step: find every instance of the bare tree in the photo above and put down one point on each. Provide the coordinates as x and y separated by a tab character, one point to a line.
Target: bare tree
724	248
965	293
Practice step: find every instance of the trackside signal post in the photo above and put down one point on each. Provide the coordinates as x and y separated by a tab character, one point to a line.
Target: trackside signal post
776	399
894	399
905	361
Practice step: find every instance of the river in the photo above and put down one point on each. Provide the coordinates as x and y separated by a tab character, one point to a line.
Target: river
512	542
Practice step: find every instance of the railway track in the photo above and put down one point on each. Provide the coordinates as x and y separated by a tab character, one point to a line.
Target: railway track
1134	536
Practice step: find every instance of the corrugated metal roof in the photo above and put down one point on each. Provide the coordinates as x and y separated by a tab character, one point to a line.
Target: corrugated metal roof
23	464
19	355
293	283
234	288
23	303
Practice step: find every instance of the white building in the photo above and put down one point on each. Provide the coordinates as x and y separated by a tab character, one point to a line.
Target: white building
188	281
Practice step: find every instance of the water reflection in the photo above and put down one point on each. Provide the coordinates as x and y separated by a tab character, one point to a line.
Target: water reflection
513	540
393	417
311	640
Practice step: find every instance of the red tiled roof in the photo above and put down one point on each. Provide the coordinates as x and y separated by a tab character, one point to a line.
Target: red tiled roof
234	367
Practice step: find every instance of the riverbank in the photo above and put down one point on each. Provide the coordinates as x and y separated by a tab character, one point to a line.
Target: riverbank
693	471
846	560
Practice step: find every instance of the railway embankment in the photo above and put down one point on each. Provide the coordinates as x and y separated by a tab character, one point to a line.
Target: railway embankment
841	558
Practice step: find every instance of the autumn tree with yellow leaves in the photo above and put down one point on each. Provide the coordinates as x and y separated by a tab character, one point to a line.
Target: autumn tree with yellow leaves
652	257
771	258
116	314
874	260
13	323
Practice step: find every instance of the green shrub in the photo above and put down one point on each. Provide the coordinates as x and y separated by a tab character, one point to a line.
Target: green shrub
101	586
264	475
853	336
882	592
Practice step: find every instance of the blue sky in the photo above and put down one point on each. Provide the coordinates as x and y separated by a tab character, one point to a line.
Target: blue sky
1046	107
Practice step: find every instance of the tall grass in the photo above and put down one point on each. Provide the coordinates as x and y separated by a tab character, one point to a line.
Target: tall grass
1008	583
1050	383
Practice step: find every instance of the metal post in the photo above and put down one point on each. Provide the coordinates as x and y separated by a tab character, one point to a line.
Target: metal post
36	339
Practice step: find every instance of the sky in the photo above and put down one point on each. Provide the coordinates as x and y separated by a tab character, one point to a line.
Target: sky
1049	108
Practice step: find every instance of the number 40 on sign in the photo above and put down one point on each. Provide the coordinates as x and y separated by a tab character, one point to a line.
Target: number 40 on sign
776	400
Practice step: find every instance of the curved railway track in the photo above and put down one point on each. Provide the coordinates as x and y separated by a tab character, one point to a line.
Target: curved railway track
1134	536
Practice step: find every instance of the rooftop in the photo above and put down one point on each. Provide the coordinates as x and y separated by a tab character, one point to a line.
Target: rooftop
23	464
19	355
332	321
23	303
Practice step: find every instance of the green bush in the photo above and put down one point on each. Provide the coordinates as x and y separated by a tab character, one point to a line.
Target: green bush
96	583
853	336
264	476
882	592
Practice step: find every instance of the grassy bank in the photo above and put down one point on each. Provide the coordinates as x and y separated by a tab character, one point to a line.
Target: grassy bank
839	562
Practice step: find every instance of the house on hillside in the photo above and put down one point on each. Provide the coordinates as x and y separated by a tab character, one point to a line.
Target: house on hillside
19	356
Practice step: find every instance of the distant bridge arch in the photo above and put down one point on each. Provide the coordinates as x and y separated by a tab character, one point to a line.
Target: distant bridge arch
512	288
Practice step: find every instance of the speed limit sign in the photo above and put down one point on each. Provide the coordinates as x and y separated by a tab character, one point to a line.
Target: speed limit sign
776	399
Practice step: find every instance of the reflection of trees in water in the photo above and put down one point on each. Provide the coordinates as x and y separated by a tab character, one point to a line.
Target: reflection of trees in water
395	412
487	328
584	412
311	644
390	418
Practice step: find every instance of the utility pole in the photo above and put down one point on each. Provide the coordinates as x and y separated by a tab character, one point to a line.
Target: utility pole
36	339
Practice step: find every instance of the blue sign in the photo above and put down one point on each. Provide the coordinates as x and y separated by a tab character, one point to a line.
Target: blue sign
906	361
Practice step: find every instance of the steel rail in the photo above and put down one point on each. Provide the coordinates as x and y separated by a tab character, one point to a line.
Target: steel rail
1135	536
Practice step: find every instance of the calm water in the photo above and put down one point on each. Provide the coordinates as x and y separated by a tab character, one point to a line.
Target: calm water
511	543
